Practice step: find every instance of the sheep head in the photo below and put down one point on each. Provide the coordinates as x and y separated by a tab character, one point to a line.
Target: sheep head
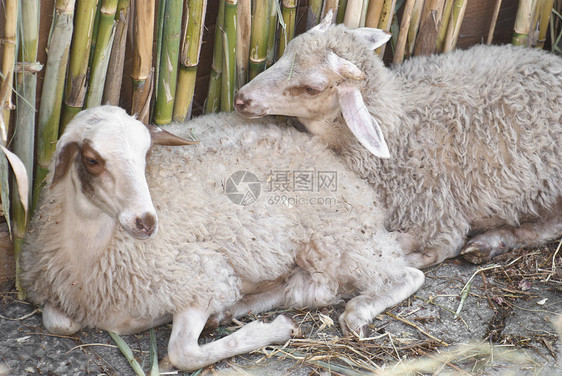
101	160
313	82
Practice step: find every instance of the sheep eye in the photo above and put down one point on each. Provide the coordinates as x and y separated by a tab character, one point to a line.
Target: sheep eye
310	90
91	162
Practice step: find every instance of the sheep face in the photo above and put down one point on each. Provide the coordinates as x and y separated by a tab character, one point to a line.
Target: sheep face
313	82
107	174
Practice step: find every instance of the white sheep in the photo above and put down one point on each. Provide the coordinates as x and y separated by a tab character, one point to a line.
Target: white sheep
111	250
472	137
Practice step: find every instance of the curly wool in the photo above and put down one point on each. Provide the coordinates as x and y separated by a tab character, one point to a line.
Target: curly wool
474	135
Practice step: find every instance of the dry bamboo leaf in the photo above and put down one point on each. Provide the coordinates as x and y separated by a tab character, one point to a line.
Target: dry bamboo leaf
20	174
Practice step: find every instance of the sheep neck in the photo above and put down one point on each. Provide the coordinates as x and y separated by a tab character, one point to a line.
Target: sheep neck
87	229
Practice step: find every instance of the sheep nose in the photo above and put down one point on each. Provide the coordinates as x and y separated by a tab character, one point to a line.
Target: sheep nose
240	101
146	223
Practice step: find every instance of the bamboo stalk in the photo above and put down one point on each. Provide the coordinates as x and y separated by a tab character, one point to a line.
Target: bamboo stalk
494	21
364	13
142	58
289	12
522	25
457	15
52	92
374	13
189	58
404	28
102	52
271	33
214	92
259	37
8	63
243	32
353	12
445	19
228	82
75	89
314	13
386	20
24	135
114	76
167	77
414	27
342	9
429	27
544	22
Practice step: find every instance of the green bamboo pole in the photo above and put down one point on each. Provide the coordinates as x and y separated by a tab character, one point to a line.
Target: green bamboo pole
454	27
228	82
443	27
271	32
159	39
6	79
94	33
75	88
114	77
544	21
8	63
243	33
24	135
102	52
385	20
314	13
189	58
289	12
341	11
403	34
259	37
168	71
142	58
214	92
52	92
522	25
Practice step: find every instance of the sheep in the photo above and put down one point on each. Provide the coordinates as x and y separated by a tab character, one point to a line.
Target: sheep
108	248
459	145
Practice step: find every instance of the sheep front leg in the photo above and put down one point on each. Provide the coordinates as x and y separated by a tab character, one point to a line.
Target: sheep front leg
57	322
186	354
361	310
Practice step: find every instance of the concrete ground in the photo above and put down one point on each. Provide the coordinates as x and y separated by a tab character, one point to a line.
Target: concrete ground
504	327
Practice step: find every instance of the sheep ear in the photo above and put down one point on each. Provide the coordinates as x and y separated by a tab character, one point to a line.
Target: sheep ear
65	158
373	37
162	137
360	122
344	68
325	23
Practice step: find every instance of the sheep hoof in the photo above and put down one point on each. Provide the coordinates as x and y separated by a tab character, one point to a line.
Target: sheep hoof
217	320
477	252
165	365
289	323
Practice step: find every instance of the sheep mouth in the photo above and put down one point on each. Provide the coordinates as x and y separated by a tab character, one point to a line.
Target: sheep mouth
140	234
251	115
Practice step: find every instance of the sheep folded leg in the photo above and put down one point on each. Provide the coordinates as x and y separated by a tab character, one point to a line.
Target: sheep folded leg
57	322
361	310
483	247
185	353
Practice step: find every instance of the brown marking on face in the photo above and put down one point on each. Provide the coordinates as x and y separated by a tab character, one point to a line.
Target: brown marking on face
93	165
64	161
91	159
